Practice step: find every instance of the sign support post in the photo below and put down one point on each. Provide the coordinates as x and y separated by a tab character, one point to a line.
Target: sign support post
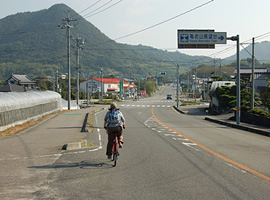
204	39
238	80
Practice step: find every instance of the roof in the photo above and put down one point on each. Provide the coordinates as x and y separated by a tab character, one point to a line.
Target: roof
249	70
12	88
110	80
21	78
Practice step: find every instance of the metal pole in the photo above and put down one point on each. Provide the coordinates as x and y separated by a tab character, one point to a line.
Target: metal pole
53	81
68	61
102	85
195	84
99	86
87	89
177	89
78	74
238	92
252	76
57	87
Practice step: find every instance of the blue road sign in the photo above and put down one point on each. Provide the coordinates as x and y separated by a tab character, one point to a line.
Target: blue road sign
201	37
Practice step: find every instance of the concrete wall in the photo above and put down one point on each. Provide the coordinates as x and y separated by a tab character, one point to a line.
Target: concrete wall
20	107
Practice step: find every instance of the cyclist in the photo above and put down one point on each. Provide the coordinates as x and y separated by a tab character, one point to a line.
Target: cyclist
114	122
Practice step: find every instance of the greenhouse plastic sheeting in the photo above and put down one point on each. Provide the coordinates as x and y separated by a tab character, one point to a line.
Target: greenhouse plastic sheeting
20	107
18	100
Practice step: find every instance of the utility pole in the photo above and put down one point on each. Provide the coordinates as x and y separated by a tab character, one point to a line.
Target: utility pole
238	90
215	66
195	85
102	85
57	86
79	43
67	25
177	89
53	81
87	90
252	76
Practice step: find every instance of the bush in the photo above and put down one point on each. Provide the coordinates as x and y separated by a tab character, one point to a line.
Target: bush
260	112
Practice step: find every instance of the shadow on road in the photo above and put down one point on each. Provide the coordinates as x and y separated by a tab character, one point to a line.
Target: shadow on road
82	165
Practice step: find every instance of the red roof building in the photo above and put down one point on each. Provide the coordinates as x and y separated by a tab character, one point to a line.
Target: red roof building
110	85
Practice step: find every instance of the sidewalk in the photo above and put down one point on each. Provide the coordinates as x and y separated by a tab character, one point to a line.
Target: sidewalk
223	119
48	136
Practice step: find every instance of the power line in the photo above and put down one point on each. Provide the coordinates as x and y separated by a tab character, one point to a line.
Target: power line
104	9
165	21
150	27
85	16
87	8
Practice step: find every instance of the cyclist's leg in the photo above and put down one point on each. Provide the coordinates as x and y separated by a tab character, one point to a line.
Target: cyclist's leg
110	142
120	136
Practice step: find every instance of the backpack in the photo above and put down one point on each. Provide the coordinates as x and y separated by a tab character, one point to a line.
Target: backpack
114	117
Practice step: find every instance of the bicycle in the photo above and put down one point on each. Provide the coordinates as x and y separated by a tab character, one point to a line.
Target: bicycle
115	150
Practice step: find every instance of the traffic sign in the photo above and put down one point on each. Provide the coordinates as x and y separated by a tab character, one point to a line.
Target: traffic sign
162	73
200	38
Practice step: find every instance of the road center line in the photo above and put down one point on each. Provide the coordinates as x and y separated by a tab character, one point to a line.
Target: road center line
217	154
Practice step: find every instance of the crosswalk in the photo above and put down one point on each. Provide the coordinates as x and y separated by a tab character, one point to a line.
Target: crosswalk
158	101
146	106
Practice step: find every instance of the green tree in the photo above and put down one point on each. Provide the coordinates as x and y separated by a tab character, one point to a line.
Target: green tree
227	98
150	87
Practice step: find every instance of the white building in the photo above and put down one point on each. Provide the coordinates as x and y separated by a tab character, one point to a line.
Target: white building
110	85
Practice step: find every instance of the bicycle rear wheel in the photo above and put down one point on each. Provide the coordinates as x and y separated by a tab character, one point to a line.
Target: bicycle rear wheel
115	153
115	159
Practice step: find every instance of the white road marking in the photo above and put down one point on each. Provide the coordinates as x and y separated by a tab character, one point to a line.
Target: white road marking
191	145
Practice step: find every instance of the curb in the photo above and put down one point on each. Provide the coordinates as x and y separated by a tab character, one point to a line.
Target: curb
85	128
75	145
181	111
245	128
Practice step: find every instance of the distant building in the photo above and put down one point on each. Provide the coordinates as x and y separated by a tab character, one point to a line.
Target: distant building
110	85
247	72
12	88
18	83
260	75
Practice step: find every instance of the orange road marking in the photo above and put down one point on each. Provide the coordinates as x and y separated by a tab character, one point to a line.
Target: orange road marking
217	154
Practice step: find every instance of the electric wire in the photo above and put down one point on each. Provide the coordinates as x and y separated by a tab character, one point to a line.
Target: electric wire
85	16
86	8
103	9
165	21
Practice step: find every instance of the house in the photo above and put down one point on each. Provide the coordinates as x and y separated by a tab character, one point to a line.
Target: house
18	83
247	72
260	75
12	88
110	85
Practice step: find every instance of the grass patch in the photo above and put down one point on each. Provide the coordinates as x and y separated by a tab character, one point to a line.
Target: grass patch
91	120
90	144
190	103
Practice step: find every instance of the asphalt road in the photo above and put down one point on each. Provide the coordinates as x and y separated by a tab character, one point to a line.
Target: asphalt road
166	155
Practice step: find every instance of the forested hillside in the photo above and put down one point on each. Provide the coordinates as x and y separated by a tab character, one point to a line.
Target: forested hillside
33	43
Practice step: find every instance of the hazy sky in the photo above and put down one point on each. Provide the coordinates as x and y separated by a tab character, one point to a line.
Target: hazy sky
248	18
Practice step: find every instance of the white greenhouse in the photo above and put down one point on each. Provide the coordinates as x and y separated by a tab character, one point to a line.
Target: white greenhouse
20	107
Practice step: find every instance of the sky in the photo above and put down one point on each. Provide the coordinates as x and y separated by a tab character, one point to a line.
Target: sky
155	22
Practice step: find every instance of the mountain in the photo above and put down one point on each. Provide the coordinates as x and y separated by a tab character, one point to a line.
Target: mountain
33	43
262	52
